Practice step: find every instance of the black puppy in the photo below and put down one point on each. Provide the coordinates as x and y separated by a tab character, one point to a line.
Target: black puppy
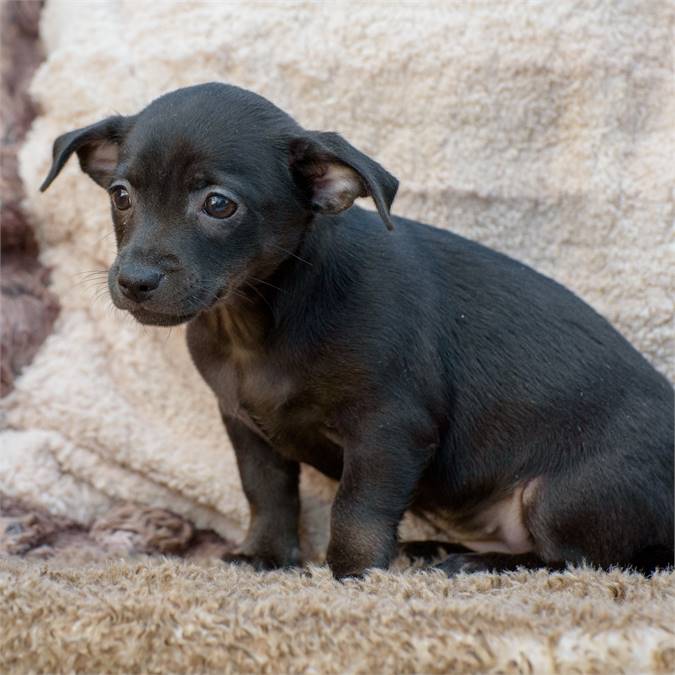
419	369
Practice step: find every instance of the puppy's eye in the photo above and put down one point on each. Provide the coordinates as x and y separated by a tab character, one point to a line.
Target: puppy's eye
219	206
120	198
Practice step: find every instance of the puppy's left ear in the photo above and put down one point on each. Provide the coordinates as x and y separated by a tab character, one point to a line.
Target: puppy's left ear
334	173
97	148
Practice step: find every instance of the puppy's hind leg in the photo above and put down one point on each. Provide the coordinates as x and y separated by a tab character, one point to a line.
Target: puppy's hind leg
605	511
653	559
470	563
429	550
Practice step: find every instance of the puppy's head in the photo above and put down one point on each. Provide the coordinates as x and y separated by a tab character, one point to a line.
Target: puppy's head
211	186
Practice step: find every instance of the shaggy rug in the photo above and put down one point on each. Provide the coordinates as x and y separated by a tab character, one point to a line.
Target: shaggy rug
167	616
546	132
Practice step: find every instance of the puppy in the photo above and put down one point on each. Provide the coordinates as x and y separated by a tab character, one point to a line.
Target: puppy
418	368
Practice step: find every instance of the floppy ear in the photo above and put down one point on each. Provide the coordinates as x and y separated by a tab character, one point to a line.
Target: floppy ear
334	173
97	148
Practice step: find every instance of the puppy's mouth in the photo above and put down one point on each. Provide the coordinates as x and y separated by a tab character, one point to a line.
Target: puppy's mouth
154	318
149	318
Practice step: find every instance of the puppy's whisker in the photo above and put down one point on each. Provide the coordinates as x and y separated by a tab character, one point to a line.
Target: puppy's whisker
105	236
241	295
84	276
266	283
88	273
294	255
255	290
99	295
92	284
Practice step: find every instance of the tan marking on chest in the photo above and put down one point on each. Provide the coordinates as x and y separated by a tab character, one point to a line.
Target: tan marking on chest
259	384
255	389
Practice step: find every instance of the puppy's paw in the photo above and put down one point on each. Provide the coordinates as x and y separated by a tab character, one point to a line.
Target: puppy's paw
257	563
261	563
467	563
346	575
429	551
345	567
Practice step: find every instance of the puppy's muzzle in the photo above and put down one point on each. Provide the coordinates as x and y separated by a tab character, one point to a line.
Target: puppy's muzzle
138	282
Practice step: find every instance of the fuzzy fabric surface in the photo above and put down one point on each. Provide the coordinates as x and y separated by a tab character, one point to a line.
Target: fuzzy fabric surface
545	131
164	616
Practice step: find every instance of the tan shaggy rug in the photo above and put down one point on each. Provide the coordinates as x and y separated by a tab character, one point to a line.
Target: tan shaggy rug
160	616
544	130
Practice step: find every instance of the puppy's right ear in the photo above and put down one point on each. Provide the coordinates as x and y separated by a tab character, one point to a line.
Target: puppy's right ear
97	148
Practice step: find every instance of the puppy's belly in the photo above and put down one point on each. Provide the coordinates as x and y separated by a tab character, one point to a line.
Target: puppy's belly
498	527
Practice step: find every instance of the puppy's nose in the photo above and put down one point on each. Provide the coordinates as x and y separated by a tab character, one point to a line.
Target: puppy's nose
138	283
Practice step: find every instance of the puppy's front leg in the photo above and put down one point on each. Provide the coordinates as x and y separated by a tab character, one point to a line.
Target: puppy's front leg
270	484
377	486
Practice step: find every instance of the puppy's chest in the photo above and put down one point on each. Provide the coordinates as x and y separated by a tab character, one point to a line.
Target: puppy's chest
251	387
271	401
271	398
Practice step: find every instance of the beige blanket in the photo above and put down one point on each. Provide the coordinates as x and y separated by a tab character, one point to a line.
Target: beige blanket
546	131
